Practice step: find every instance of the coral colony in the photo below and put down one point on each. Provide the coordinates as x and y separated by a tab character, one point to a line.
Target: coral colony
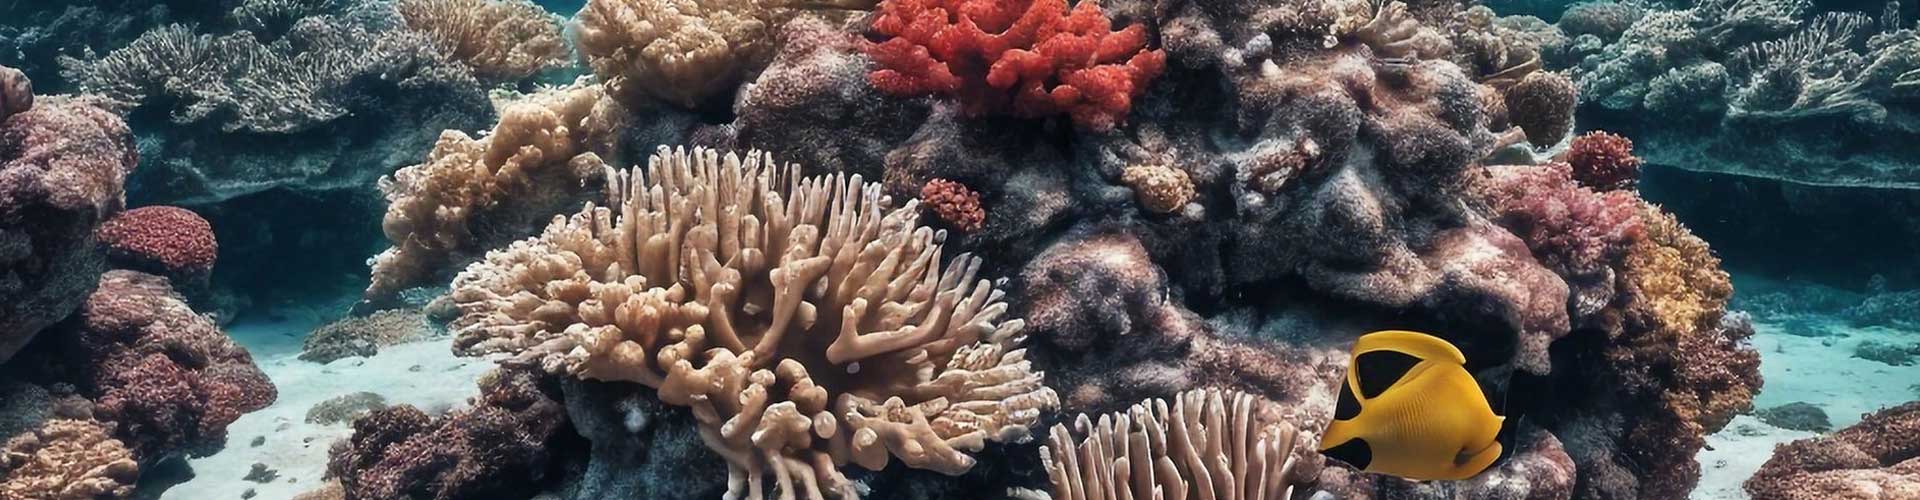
940	249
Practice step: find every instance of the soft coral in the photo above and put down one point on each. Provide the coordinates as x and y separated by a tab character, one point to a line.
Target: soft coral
1031	58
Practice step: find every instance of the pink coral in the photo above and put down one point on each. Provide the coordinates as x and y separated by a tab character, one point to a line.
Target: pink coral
1570	228
1033	58
1604	161
954	204
170	240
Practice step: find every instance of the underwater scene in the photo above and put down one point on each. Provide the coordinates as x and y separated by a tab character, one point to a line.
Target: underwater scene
960	249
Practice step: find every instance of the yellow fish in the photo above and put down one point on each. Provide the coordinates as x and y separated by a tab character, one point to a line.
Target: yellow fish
1410	408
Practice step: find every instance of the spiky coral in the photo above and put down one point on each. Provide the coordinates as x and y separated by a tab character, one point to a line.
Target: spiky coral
499	39
1213	443
757	310
1031	58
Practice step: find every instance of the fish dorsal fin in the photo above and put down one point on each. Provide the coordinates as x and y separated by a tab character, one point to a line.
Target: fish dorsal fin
1416	344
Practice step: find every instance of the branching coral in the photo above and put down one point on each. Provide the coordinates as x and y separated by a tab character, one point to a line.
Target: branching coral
1604	161
1160	188
66	459
1391	32
803	320
1876	458
954	204
500	39
1217	444
471	193
1031	58
679	51
170	241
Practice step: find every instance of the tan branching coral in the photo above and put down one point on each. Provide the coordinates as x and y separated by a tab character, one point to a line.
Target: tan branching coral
1161	188
679	51
66	459
499	39
1392	32
805	322
1211	442
543	150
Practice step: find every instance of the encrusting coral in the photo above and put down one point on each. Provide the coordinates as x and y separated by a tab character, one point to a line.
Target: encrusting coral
66	459
473	193
678	51
502	40
804	321
1215	444
1878	458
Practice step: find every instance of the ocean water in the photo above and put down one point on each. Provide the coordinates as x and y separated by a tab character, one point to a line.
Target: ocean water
959	249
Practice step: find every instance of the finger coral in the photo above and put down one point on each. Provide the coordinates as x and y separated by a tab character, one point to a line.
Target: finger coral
954	204
66	459
469	192
1876	458
1604	161
1210	444
1030	58
169	241
502	40
678	51
805	321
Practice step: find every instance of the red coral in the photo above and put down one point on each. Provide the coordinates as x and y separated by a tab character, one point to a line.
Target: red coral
169	240
958	206
1032	58
1571	229
1604	161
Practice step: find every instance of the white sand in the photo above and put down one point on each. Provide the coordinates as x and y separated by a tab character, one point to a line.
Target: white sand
296	449
1804	369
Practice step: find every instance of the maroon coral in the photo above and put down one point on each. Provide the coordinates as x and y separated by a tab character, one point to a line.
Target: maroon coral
498	448
954	204
1604	161
171	241
168	377
1031	58
1876	458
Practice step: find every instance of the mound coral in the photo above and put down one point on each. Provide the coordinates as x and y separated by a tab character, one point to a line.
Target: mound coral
1876	458
850	346
678	51
471	193
62	168
1542	105
1216	444
66	459
1031	59
496	448
954	204
169	241
1158	187
364	336
1604	161
502	40
168	378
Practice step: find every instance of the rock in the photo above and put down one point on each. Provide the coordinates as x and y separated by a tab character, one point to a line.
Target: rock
1797	416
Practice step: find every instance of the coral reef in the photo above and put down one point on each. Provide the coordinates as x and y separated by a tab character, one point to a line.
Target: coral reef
62	167
1030	59
502	40
168	241
939	373
1542	105
1217	444
677	51
364	336
66	460
954	204
497	448
1603	161
1876	458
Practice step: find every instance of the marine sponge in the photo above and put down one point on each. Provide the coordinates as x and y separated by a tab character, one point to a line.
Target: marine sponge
1218	444
1160	188
500	39
804	321
679	51
170	241
1876	458
16	92
954	204
1542	105
1030	58
1604	161
66	459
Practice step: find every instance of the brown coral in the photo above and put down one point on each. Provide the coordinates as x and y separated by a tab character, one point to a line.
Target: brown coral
1542	105
1217	444
541	157
499	39
16	92
954	204
1878	458
66	459
364	336
1604	161
1160	188
804	321
679	51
